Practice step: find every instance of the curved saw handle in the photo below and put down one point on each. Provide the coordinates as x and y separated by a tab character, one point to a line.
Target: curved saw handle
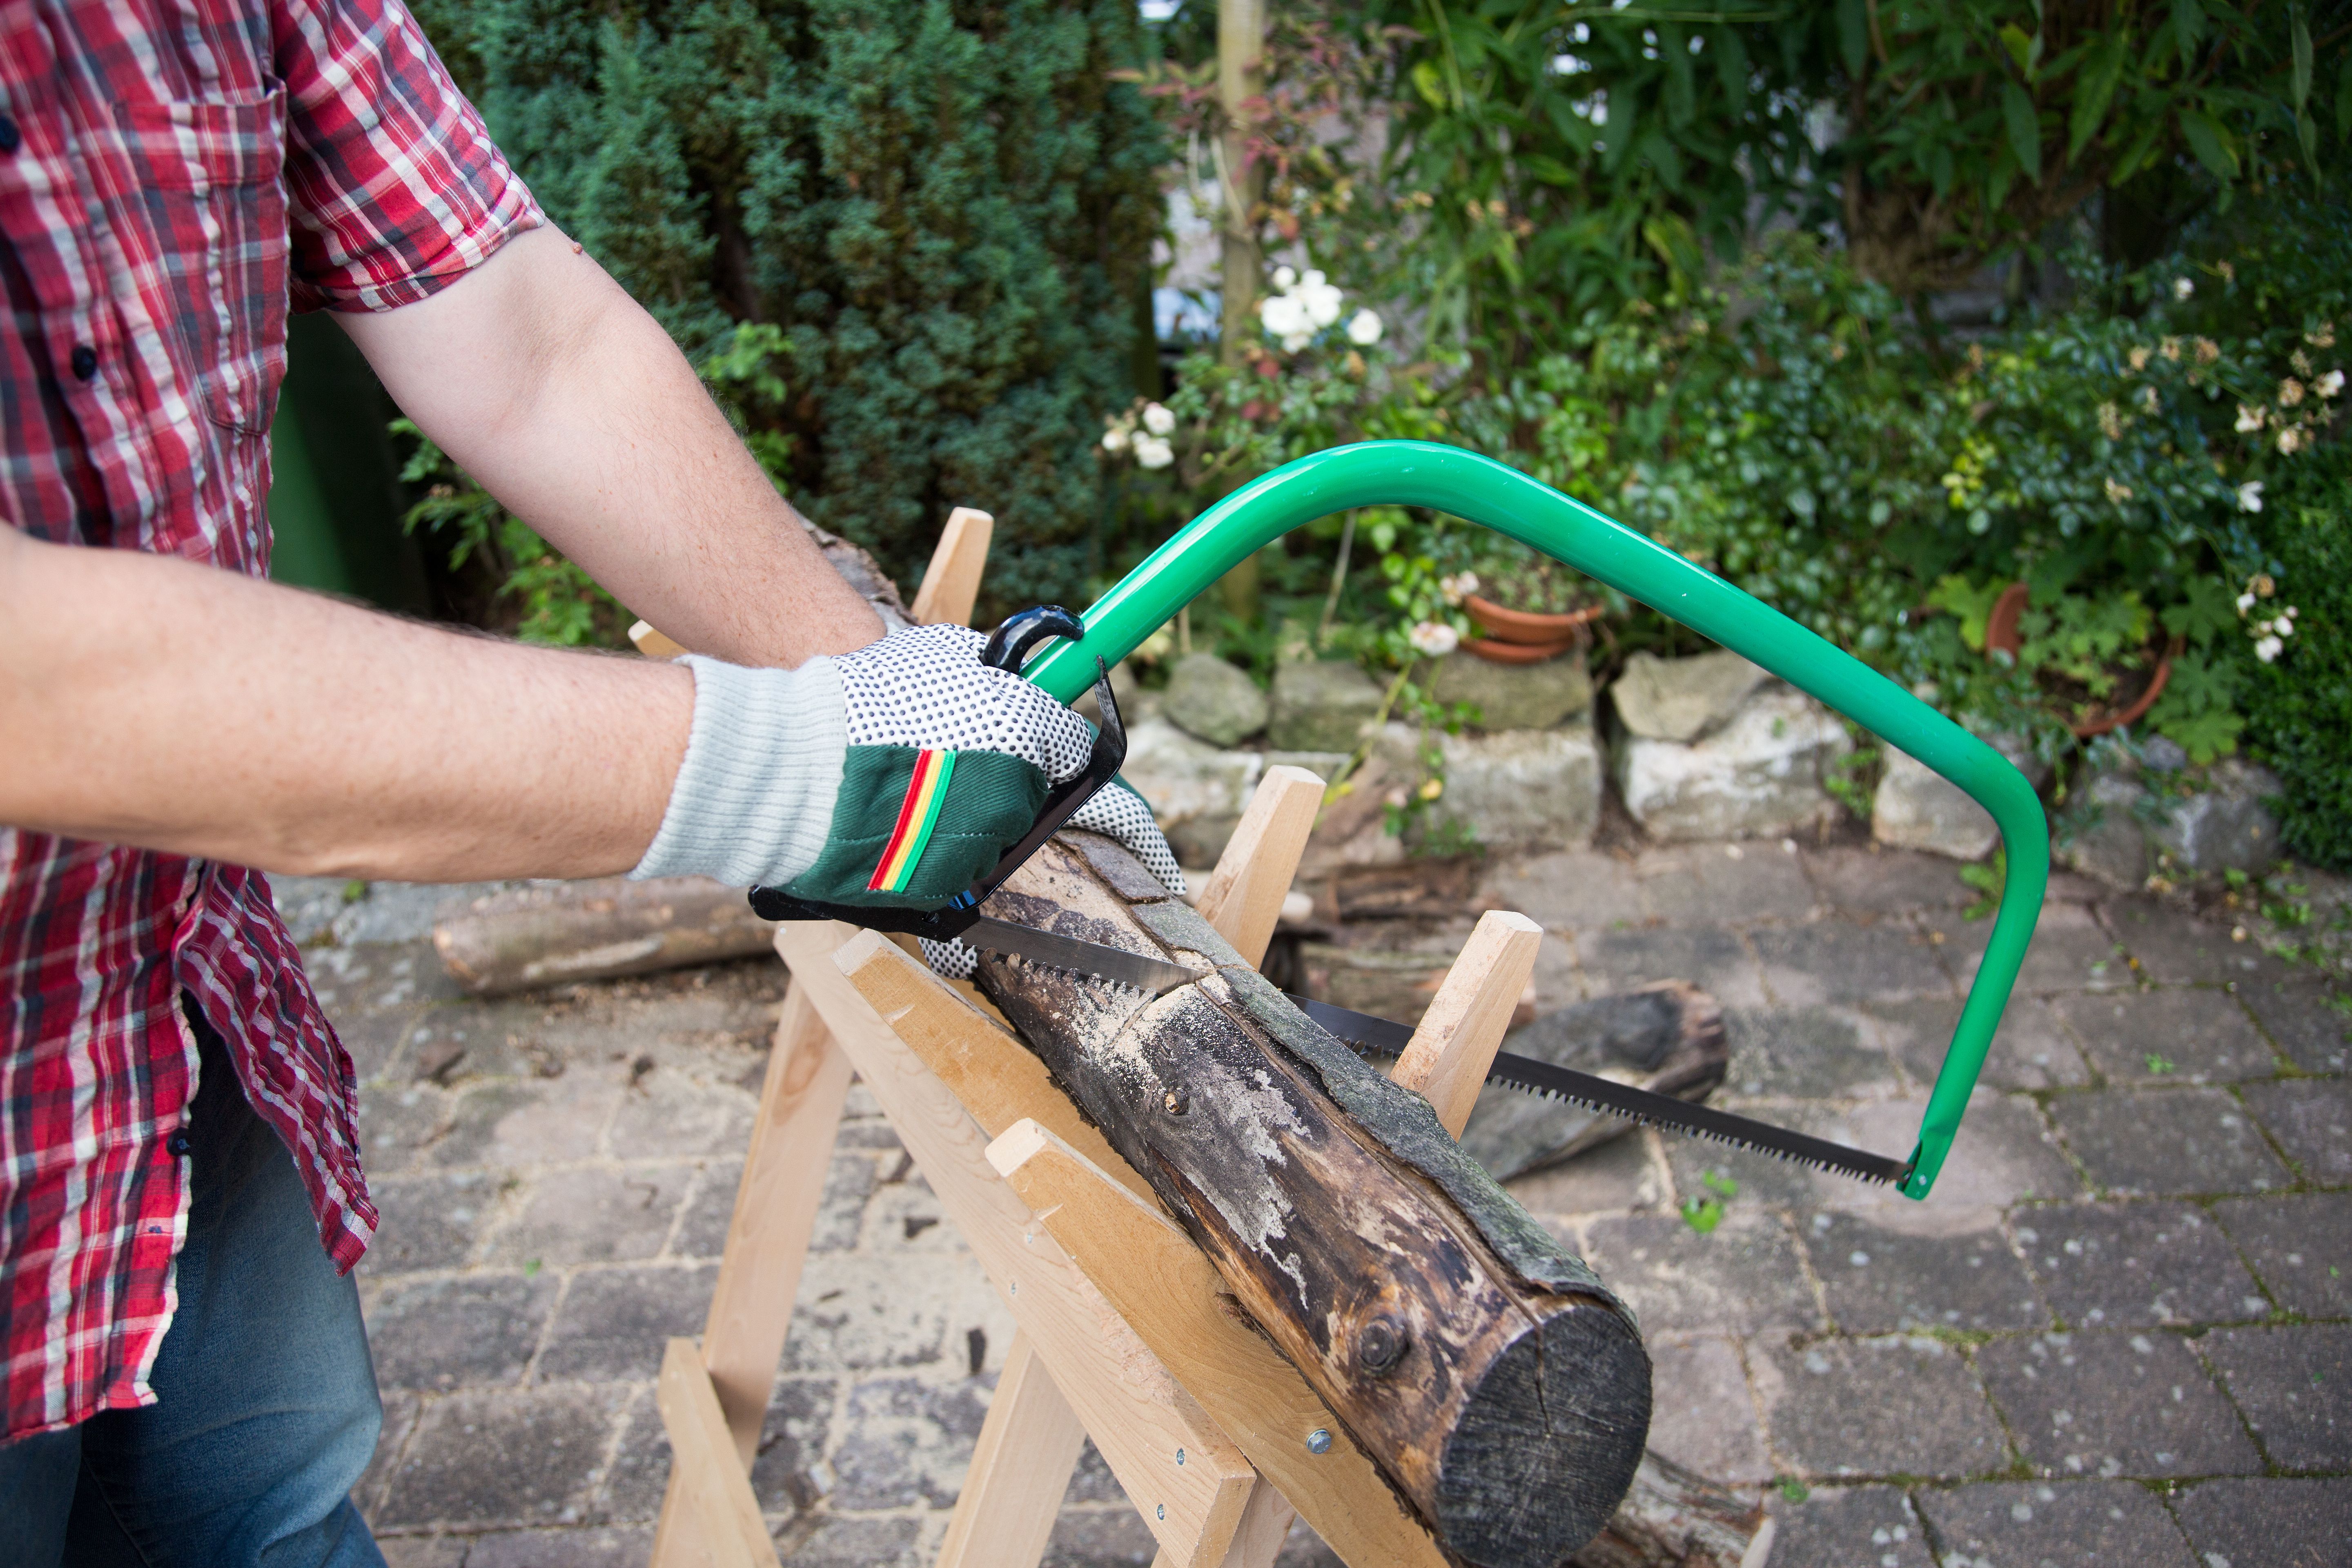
1450	480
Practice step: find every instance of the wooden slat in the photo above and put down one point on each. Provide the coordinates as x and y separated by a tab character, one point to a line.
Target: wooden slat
1135	1411
1462	1028
1243	898
998	1079
1266	1525
651	643
951	583
1027	1449
1173	1297
715	1488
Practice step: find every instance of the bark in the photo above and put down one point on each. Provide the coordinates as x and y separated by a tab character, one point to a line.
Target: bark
1503	1391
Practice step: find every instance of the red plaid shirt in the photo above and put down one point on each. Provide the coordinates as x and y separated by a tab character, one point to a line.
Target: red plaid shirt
169	175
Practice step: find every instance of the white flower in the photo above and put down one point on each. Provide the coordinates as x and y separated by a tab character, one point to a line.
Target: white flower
2250	498
2118	493
1320	299
1284	278
1459	587
1154	452
2280	626
2269	649
1284	317
2328	385
2182	288
2245	602
1435	638
1364	328
2250	418
1157	420
1114	439
2290	439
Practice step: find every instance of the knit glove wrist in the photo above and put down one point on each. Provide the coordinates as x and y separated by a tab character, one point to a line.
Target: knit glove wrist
891	776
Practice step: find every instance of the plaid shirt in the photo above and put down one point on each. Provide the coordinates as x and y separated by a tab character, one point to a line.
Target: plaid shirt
170	173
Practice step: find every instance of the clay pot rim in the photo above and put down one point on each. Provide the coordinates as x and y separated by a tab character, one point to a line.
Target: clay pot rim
2000	637
1495	650
1526	626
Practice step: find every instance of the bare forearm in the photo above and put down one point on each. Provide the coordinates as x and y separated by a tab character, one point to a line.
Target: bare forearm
540	376
150	702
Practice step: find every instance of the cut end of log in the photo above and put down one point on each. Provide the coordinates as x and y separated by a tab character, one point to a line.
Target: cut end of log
1548	1442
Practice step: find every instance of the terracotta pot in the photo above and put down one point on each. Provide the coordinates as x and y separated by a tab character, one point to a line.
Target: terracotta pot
1529	629
2001	636
1496	651
2140	704
2001	622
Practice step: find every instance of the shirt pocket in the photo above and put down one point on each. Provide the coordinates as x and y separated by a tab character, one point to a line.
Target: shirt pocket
212	174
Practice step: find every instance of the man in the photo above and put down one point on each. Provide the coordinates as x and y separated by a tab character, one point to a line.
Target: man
185	1377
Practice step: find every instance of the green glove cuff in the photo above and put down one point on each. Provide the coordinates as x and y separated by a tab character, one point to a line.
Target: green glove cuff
985	801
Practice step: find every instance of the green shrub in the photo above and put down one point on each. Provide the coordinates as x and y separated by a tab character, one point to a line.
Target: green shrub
2298	706
944	209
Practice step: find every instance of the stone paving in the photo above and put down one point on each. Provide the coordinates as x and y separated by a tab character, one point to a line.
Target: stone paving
2119	1332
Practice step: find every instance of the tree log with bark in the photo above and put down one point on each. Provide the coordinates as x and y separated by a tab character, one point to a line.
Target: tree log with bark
1502	1389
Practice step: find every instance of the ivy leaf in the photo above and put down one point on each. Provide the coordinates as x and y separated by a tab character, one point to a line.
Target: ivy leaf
2024	131
2211	142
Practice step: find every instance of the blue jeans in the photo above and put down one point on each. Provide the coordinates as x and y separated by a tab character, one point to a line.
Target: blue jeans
266	1407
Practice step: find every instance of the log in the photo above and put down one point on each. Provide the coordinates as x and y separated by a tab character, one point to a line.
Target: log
559	932
1675	1519
1491	1377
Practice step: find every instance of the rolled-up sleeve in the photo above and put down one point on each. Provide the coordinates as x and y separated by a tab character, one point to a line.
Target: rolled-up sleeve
395	189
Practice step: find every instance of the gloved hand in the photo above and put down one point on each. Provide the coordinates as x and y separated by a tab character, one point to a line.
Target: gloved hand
893	775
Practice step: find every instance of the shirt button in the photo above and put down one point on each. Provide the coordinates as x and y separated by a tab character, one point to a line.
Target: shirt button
84	362
178	1143
10	137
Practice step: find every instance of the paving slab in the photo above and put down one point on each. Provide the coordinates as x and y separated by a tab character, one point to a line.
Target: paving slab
430	1221
2003	1154
2119	1265
1906	1406
610	1546
2312	1023
1744	1276
849	1181
1840	960
791	1473
637	1474
2115	1403
908	1441
834	1540
2167	1037
1100	1538
1879	881
2300	1245
1625	1175
1568	890
1847	1527
2113	1524
2294	1386
2031	1049
1714	959
398	1122
1708	884
1701	1414
598	1215
2176	947
1806	1053
444	1333
2166	1143
1882	1280
2311	1118
2070	951
487	1457
612	1324
2267	1523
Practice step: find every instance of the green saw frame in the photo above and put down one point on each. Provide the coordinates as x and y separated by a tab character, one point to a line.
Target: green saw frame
1450	480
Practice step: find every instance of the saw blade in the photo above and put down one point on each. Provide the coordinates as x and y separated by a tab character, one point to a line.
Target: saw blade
1386	1038
1152	976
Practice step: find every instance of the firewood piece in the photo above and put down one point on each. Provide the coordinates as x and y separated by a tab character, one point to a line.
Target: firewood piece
1666	1038
1674	1518
1497	1385
566	932
1412	889
952	584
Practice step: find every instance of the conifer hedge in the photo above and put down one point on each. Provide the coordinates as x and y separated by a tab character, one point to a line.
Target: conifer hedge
945	209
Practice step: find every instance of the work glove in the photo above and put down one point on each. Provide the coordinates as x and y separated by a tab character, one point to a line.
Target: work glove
893	777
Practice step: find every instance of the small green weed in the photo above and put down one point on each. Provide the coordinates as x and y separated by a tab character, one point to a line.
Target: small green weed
2158	1064
1988	878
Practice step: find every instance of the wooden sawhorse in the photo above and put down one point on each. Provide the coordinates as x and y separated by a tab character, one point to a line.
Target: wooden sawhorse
1126	1334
